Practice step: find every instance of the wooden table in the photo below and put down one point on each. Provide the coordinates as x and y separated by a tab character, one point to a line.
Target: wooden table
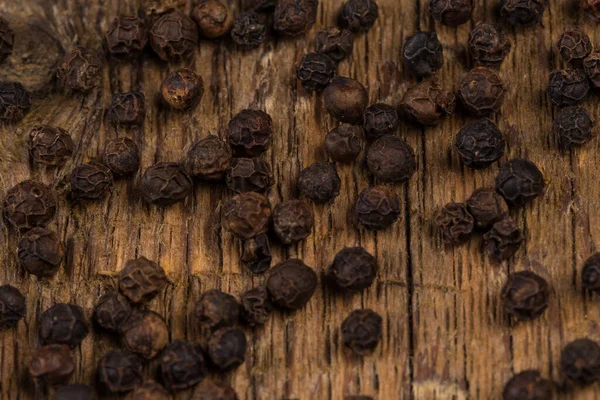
445	334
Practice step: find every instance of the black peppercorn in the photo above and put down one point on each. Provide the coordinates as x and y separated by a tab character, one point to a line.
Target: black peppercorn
591	66
249	30
503	240
7	39
480	143
80	70
126	37
361	331
291	284
150	390
50	145
210	389
346	100
119	371
335	43
256	306
574	46
377	208
344	143
523	13
52	364
249	175
182	365
525	295
250	132
12	307
227	348
451	12
145	333
455	223
29	204
182	89
380	119
590	275
580	361
112	311
122	157
426	103
353	268
592	9
487	207
488	45
40	252
91	181
14	102
319	182
568	87
573	126
174	36
292	221
128	108
247	215
141	279
63	324
216	309
76	391
359	15
391	160
208	159
256	254
527	385
165	183
294	17
481	91
422	54
519	181
213	18
315	71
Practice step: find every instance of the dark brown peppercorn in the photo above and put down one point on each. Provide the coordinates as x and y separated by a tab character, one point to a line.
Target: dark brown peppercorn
216	309
335	43
346	100
294	17
291	284
210	389
249	175
451	12
487	207
41	252
455	223
353	268
119	371
150	390
574	46
391	160
208	159
112	311
256	306
525	295
488	45
12	307
227	348
250	132
63	324
592	9
527	385
319	182
480	143
590	275
122	157
361	331
91	181
52	364
80	70
426	103
580	361
523	13
165	183
503	240
359	15
481	91
29	204
380	119
128	108
247	215
249	30
568	87
145	333
7	39
256	254
315	71
76	391
126	37
182	365
573	126
591	66
183	89
174	36
213	18
519	181
50	145
14	102
422	54
344	143
141	279
377	208
292	221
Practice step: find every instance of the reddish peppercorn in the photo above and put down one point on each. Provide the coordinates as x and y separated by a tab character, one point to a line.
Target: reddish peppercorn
480	143
294	17
247	215
52	364
525	295
249	175
256	306
126	37
335	43
119	371
353	268
213	18
12	307
63	324
174	36
455	223
451	12
145	333
361	331
319	182
112	311
29	204
91	181
122	157
256	254
210	389
391	160
503	240
344	143
580	361
359	15
590	275
50	145
141	279
7	39
519	181
377	208
291	284
567	87
488	45
208	159
14	102
182	365
128	108
527	385
41	252
292	221
346	100
422	54
481	91
574	46
487	207
250	132
217	309
183	89
426	103
249	30
80	70
315	71
165	183
227	348
523	13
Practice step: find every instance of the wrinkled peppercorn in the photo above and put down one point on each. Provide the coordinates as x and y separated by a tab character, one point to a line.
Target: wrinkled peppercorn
29	204
361	331
249	175
319	182
592	9
377	208
591	66
91	181
80	70
391	160
128	108
150	390
41	252
292	221
503	240
52	364
523	13
111	311
63	324
344	143
481	91
182	365
12	306
216	309
210	389
7	39
165	183
590	275
249	30
250	132
291	284
480	143
247	215
451	12
256	254
527	385
519	181
525	295
14	102
487	207
208	159
423	54
574	46
256	306
346	100
359	15
380	119
141	279
126	37
573	126
213	18
455	223
119	371
353	268
294	17
50	145
426	103
580	361
488	45
315	71
568	87
122	157
227	348
174	36
145	333
335	43
76	391
183	89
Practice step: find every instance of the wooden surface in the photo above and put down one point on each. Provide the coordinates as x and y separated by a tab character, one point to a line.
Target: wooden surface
445	335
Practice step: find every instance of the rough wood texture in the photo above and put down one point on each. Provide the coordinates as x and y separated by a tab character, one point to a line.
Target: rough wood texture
445	335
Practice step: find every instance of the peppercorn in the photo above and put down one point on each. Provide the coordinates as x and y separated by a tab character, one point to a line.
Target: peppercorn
335	43
80	70
40	252
63	324
319	182
208	159
182	89
174	36
249	175
574	46
128	108
591	67
150	390
119	371
344	143
359	15
451	12
112	311
182	365
423	54
227	348
12	307
380	119
76	391
519	181
580	361
488	45
250	132
165	183
14	102
481	91
426	103
573	126
487	207
455	223
50	145
480	143
247	215
527	385
29	204
568	87
210	389
213	18
256	306
122	157
291	284
294	17
7	39
503	240
292	221
590	275
145	333
91	181
377	208
141	279
346	100
127	37
249	30
361	331
256	254
523	13
315	71
52	364
592	9
353	268
216	309
525	295
391	160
